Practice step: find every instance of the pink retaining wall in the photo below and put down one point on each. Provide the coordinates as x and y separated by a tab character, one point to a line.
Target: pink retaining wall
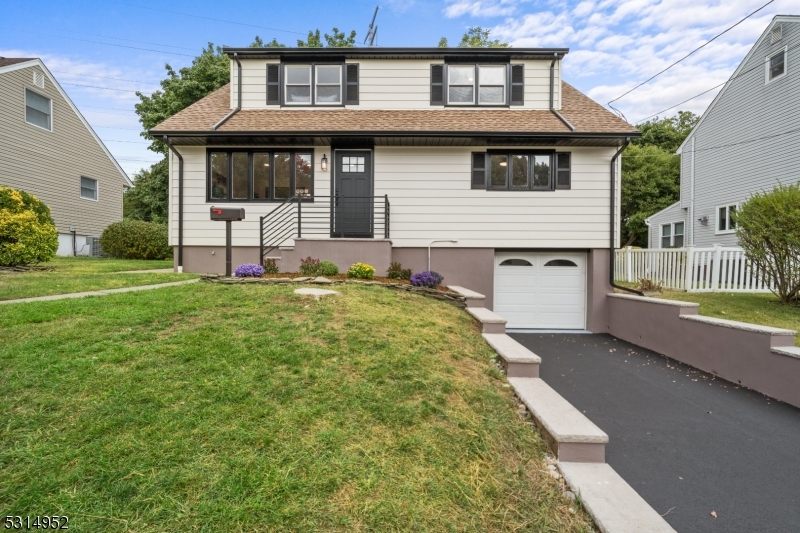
738	352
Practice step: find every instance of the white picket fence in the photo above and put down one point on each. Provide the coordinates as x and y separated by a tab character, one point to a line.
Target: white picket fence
716	269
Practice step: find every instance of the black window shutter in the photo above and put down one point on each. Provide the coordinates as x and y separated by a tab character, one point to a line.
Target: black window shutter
478	170
273	84
351	94
437	84
517	84
563	170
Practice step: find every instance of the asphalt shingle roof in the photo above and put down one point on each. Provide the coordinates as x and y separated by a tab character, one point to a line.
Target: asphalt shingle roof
6	61
584	113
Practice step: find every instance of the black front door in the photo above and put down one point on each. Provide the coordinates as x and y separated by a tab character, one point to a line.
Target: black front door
353	196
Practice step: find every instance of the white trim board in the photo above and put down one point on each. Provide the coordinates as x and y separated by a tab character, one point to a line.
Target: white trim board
40	64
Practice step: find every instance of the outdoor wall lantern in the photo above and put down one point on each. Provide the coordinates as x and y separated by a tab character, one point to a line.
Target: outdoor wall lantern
324	163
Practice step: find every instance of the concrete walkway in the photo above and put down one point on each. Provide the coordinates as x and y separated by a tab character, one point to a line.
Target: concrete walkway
97	293
687	442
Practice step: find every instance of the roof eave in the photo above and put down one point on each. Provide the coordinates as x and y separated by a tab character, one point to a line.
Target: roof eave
395	53
399	134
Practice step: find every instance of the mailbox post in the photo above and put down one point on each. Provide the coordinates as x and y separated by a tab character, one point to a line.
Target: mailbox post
228	215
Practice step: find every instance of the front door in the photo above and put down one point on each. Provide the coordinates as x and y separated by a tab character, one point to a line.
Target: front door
353	197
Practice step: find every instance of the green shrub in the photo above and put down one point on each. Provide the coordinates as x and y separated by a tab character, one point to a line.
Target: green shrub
310	267
361	271
768	228
328	268
396	271
28	234
270	266
136	239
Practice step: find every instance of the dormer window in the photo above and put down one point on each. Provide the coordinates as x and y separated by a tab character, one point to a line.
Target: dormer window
488	87
325	80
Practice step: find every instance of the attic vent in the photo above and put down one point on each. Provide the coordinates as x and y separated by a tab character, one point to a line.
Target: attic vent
38	79
777	34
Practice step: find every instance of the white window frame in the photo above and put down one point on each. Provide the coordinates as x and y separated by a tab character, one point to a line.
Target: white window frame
318	84
96	189
727	208
476	85
671	226
286	85
785	52
25	100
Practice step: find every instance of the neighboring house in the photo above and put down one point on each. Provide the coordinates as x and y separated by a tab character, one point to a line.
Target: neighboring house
747	141
49	150
372	154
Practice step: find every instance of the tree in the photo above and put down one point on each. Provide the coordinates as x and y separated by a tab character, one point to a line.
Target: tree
768	228
476	37
148	198
337	40
651	173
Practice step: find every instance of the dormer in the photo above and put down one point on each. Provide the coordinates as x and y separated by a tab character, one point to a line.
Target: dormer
397	78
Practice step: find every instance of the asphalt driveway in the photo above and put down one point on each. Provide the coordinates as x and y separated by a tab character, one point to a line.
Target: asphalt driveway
689	443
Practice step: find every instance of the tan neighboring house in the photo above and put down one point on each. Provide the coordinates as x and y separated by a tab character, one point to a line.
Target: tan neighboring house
48	149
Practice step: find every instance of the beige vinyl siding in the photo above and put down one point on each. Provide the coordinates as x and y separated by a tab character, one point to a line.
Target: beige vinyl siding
393	84
430	195
49	164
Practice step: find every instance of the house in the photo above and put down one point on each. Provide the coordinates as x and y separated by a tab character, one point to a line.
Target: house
482	162
746	141
49	150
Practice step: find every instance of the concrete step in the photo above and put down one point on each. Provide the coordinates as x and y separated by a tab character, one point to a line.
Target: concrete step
571	436
518	361
474	299
491	322
614	505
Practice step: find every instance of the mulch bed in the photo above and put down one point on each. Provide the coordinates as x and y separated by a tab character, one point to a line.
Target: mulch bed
343	277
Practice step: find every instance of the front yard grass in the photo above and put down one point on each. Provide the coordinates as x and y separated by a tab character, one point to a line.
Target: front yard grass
248	408
80	274
755	308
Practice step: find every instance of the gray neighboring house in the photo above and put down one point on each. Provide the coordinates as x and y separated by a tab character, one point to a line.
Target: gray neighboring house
747	141
49	150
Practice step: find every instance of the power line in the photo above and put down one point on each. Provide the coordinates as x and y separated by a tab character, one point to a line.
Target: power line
100	77
119	141
690	53
107	113
98	42
115	128
756	67
98	87
214	19
728	145
111	108
131	40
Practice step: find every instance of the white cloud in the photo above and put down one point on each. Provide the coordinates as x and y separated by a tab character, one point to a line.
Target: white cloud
481	8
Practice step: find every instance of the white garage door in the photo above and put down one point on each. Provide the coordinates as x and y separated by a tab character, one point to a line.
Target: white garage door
542	290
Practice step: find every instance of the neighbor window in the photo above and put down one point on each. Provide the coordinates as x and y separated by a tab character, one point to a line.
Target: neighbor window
726	215
522	171
259	176
38	110
776	65
672	235
313	84
88	188
476	84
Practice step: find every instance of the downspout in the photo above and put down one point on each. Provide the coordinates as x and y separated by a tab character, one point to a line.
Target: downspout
180	202
238	99
552	94
611	247
691	201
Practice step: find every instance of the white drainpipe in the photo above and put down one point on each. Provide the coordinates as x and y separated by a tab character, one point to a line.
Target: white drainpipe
429	249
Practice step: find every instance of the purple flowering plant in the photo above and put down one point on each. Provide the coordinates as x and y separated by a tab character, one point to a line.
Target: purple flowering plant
427	279
249	270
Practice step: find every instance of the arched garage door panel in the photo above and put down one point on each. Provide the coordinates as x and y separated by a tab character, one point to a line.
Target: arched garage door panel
542	290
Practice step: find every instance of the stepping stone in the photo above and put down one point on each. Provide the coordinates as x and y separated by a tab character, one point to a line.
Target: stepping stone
321	280
302	279
316	293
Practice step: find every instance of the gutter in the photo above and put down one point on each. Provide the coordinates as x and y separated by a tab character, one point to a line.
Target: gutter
238	99
613	231
180	202
396	134
552	95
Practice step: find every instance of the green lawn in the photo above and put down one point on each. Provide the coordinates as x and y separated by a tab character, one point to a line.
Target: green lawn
79	274
248	408
764	309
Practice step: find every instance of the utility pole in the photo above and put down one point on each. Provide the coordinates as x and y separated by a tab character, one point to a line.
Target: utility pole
372	33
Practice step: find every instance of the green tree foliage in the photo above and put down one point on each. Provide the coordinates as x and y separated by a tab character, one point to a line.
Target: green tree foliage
337	40
147	199
136	239
476	37
28	234
768	228
651	173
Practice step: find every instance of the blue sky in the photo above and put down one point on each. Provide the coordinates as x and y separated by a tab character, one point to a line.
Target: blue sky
613	43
